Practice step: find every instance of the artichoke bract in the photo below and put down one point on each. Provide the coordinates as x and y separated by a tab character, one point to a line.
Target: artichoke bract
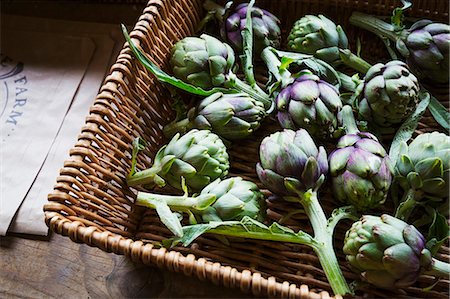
317	35
231	116
389	253
266	28
312	104
202	61
199	156
290	159
222	200
360	168
423	171
425	45
388	94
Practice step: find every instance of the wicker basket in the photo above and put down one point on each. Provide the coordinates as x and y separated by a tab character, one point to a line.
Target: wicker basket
92	204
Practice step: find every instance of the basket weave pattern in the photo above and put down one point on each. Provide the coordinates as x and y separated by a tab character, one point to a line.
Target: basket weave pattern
92	204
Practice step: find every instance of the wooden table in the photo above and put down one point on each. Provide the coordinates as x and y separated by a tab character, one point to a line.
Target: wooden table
56	267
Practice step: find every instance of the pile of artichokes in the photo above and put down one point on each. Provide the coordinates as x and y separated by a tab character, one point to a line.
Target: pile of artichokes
354	132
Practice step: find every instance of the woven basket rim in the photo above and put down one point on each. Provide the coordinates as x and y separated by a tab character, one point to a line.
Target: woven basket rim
139	251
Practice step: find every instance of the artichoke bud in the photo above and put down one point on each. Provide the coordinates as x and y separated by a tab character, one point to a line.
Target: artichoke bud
266	28
200	157
291	163
310	103
317	35
392	256
236	198
202	61
426	48
424	166
388	94
361	171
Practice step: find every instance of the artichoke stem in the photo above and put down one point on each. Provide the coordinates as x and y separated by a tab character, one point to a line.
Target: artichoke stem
324	237
354	61
439	269
177	203
147	177
348	120
259	95
181	127
374	25
406	207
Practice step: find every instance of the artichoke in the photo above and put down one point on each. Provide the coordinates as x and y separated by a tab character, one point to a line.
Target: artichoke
222	200
291	160
389	253
388	94
425	45
202	61
423	171
198	156
203	66
317	35
426	48
310	103
360	168
293	167
231	116
266	28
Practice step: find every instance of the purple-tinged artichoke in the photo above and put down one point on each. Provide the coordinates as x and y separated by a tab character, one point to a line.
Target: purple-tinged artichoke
291	158
425	45
388	94
360	168
266	28
389	253
231	116
312	104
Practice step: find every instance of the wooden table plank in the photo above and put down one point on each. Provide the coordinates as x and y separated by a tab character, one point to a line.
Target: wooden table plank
60	268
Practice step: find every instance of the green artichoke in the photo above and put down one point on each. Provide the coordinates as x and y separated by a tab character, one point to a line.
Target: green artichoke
360	168
203	66
423	171
222	200
312	104
266	28
389	253
199	156
388	94
317	35
202	61
425	45
291	160
231	116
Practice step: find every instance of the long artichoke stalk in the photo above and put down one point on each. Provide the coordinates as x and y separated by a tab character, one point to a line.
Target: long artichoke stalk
293	167
222	200
321	243
323	246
